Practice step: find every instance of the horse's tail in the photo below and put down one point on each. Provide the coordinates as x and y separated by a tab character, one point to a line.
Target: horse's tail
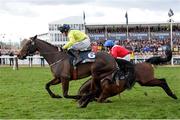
127	70
160	60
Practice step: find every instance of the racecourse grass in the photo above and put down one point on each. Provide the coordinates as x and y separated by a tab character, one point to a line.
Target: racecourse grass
23	95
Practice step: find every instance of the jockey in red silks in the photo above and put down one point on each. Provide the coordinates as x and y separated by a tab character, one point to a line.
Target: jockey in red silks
117	51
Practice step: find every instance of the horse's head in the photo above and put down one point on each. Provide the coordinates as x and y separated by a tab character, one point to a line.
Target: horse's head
28	49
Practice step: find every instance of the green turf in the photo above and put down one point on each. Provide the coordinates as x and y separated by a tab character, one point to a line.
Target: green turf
23	95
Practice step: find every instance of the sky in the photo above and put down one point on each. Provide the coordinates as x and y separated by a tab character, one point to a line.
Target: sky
25	18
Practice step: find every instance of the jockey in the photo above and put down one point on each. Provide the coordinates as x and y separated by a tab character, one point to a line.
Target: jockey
117	51
77	41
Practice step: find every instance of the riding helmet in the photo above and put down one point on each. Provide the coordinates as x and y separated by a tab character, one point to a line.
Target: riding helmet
109	43
64	28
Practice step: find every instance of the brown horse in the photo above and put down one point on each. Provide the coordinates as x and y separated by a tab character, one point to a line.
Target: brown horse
144	75
61	68
112	85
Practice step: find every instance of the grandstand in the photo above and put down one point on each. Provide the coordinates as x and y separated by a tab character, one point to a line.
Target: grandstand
145	39
136	31
142	38
101	32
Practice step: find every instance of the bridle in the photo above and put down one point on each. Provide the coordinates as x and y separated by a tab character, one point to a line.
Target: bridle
46	53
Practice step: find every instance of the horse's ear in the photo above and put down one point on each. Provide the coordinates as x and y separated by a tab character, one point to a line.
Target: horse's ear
60	49
35	37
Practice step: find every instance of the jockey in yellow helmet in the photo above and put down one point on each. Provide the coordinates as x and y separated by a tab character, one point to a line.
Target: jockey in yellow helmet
77	41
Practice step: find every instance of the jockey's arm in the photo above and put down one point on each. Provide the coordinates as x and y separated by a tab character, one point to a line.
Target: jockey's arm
114	52
70	43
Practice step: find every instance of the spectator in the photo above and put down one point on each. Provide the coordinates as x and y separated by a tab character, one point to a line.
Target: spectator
94	47
42	61
0	57
132	57
11	59
30	60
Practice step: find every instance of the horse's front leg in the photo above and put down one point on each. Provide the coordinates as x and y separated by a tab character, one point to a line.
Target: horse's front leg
95	90
65	89
54	81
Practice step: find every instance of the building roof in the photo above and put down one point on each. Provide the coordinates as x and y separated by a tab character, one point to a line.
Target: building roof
69	20
131	25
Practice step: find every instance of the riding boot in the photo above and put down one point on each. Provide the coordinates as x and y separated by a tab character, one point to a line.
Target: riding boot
75	54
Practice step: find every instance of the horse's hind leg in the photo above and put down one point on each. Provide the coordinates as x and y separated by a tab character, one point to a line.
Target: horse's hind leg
161	83
55	81
167	89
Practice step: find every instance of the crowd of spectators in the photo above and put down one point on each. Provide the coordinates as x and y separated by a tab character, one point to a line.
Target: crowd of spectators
12	53
141	48
8	52
148	47
153	46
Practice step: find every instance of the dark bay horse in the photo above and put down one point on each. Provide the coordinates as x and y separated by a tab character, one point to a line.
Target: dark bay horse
61	68
144	75
111	86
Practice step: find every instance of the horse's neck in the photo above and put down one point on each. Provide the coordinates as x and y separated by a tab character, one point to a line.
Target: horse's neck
49	52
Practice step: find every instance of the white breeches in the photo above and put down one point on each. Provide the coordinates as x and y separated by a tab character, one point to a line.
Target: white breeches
83	45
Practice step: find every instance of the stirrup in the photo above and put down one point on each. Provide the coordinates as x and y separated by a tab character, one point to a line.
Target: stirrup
76	62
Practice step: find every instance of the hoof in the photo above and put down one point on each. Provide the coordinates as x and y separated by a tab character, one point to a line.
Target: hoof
82	106
56	96
83	103
174	96
80	100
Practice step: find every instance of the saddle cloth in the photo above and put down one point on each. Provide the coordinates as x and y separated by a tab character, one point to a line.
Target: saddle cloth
87	56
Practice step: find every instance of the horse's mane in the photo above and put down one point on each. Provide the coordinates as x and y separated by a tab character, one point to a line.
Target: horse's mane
47	43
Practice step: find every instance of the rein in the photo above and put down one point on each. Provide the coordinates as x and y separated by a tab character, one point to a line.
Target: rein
46	53
56	62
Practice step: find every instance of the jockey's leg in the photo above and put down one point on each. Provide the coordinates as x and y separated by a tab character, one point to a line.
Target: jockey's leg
75	54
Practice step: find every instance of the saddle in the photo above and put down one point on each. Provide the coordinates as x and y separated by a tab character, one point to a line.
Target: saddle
85	56
126	72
